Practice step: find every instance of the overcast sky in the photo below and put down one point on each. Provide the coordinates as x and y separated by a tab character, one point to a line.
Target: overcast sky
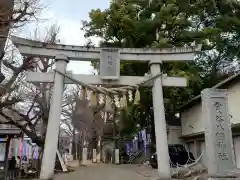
68	15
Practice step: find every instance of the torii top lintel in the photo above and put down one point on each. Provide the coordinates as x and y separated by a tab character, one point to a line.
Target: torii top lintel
83	53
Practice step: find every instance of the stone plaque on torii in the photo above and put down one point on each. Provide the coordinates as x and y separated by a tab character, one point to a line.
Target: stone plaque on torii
109	74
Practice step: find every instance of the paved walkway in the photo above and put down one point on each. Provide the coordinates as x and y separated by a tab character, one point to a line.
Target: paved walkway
143	170
109	172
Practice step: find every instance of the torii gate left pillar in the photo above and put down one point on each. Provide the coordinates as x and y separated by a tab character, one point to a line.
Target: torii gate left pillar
164	169
51	141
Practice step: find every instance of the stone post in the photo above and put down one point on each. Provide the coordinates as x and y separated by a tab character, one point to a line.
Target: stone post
164	170
84	156
94	156
218	133
117	159
51	141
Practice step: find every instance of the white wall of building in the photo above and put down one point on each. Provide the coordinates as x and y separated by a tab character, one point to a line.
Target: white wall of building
191	118
203	150
236	143
234	103
174	134
198	147
192	124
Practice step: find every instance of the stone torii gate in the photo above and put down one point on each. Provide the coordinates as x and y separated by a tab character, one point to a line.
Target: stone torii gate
109	74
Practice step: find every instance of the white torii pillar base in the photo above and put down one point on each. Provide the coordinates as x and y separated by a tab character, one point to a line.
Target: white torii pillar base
84	156
164	170
51	141
117	159
94	156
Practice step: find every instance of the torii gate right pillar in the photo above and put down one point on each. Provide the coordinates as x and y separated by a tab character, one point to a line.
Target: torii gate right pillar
164	170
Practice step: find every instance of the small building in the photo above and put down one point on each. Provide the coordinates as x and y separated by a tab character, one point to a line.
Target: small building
7	132
192	126
173	129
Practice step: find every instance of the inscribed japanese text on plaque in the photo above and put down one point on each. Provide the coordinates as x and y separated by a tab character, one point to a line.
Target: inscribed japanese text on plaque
218	135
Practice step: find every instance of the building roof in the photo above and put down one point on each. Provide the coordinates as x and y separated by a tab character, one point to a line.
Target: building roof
10	132
223	84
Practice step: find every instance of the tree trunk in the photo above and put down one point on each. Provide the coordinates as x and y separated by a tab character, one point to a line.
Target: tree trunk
94	141
6	9
40	155
31	133
35	138
44	127
153	137
101	149
6	158
115	140
74	144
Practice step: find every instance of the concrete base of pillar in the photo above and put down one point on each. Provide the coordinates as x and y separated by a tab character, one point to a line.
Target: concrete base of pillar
94	160
117	156
84	156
